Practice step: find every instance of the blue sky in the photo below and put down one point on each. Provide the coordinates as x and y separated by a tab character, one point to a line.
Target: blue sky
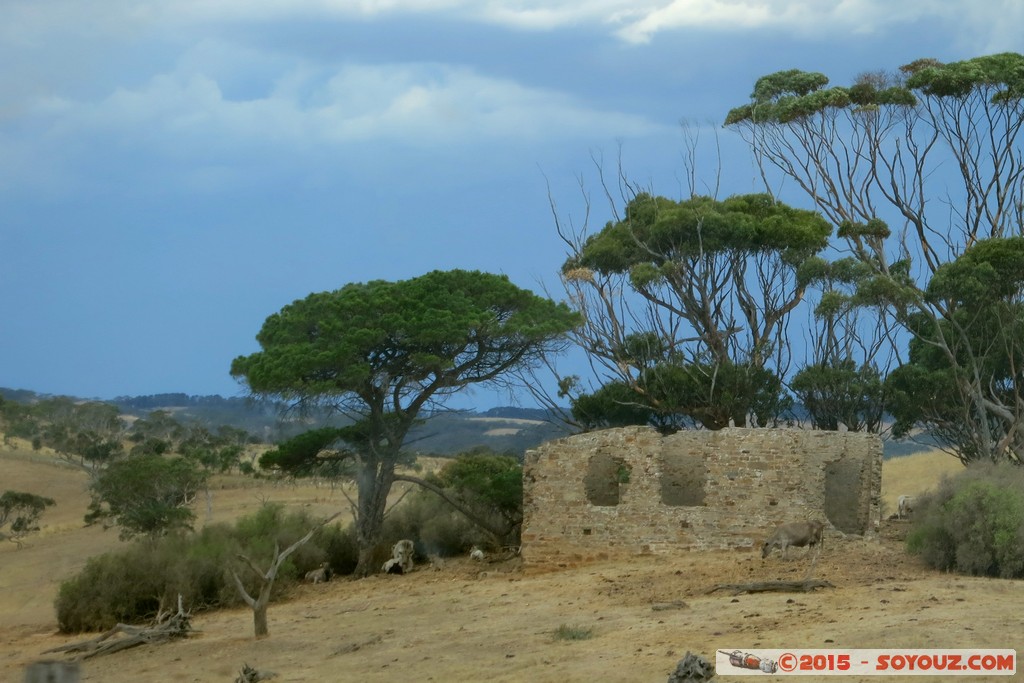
172	172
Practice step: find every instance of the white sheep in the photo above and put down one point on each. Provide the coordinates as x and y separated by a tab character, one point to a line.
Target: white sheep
904	507
401	558
321	574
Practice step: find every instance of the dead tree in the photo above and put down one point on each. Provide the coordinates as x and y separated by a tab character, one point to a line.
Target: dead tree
259	604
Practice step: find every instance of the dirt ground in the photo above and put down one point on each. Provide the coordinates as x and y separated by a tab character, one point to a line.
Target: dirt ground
495	621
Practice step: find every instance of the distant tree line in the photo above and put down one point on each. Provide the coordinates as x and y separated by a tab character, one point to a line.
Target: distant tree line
182	400
144	473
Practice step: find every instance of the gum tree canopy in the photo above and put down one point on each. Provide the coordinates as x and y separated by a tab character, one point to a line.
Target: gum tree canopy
685	305
936	151
381	352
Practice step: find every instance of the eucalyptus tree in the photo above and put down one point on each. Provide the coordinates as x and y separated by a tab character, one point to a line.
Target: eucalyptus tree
934	150
687	302
842	384
384	353
982	296
20	513
146	495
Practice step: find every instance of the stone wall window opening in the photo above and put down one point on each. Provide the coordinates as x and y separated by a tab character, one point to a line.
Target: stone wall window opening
683	481
605	475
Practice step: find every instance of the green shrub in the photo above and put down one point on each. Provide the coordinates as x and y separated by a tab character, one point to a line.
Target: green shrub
259	533
115	587
488	485
491	486
340	547
203	577
973	523
134	583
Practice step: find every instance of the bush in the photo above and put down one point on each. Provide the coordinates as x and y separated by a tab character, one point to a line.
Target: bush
488	485
434	526
133	584
202	576
112	588
973	523
340	547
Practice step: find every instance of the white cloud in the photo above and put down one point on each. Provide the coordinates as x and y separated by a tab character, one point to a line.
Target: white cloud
989	23
818	16
984	24
421	105
989	27
189	80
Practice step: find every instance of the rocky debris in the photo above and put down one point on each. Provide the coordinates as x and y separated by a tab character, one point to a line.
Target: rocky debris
692	669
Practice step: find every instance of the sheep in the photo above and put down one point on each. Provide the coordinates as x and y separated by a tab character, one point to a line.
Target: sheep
401	558
476	554
799	534
321	574
904	507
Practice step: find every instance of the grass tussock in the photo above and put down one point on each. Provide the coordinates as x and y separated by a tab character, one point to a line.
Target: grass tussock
573	632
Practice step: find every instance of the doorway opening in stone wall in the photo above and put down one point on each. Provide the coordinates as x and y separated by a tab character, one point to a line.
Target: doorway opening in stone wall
842	496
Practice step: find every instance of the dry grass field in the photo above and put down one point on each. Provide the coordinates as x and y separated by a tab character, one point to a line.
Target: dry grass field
496	621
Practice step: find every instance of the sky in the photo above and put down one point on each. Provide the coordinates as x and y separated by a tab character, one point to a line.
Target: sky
173	172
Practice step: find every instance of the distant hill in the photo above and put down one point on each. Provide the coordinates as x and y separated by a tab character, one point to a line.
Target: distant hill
505	429
508	429
258	417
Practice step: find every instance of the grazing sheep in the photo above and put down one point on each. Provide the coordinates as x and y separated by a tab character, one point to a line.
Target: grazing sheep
401	558
799	534
476	554
321	574
904	507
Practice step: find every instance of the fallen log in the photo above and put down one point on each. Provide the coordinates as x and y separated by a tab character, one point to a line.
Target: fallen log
804	586
166	627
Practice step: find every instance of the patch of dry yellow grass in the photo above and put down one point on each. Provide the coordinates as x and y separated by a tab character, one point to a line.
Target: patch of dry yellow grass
912	475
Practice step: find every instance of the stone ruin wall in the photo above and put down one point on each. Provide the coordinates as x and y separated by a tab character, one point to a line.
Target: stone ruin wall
630	491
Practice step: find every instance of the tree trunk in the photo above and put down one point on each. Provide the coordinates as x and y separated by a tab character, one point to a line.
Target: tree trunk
375	479
259	616
366	564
